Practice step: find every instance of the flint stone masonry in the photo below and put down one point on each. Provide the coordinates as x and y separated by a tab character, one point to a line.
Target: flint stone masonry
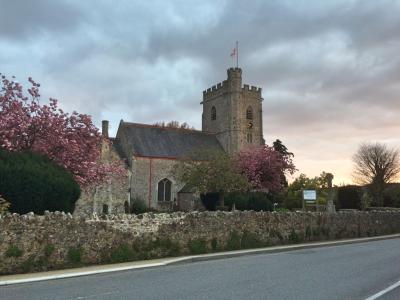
48	242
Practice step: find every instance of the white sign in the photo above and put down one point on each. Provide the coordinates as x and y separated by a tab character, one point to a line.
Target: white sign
309	195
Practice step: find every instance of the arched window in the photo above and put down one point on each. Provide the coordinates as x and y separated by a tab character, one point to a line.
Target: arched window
249	113
213	113
164	190
105	209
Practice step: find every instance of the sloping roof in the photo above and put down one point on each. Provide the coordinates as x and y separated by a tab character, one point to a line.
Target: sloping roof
155	141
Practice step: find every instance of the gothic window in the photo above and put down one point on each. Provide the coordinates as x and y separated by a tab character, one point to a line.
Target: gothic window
249	138
249	113
213	113
164	190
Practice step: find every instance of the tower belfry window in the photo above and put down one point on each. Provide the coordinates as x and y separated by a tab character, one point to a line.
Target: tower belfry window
249	113
213	113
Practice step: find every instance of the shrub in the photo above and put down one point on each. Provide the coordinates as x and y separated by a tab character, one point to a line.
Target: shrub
28	265
210	200
139	207
4	205
391	195
234	242
14	251
250	240
31	182
293	200
294	237
250	201
260	201
282	209
214	244
197	246
48	250
349	197
75	255
168	247
123	253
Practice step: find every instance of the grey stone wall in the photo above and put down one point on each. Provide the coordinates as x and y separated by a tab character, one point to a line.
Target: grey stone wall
113	193
56	240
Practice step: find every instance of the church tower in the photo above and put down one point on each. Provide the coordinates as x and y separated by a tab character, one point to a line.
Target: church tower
233	112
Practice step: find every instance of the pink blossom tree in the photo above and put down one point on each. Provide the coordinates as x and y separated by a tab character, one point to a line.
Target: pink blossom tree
70	140
263	167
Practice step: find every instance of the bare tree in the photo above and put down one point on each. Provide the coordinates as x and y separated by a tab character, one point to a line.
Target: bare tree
376	165
174	124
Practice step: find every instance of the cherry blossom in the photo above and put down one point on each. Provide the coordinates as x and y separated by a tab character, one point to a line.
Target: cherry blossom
263	167
70	140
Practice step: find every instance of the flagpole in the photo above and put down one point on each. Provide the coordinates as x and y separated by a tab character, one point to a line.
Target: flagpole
237	54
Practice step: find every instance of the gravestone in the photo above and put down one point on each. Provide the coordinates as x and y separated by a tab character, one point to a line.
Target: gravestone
330	207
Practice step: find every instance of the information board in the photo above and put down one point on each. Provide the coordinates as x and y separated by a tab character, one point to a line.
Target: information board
310	195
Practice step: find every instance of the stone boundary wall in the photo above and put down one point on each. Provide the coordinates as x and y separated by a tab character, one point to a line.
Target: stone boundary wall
58	240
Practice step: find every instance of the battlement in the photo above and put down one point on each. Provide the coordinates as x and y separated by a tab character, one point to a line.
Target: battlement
222	87
234	72
233	82
251	90
215	90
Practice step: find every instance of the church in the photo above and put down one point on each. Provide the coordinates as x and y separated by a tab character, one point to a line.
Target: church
231	120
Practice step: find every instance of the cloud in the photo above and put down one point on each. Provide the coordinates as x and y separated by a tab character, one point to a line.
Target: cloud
329	70
25	20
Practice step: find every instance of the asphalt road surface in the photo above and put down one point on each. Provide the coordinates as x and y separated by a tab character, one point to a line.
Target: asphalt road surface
355	271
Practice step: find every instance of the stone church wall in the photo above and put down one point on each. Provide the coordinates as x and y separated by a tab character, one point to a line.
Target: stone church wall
112	195
57	240
146	174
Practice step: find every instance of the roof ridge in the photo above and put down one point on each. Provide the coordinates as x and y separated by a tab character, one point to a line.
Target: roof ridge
163	127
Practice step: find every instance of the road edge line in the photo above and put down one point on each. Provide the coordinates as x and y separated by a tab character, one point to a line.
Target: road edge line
384	291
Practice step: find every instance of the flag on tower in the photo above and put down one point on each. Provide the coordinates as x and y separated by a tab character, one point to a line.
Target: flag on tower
233	53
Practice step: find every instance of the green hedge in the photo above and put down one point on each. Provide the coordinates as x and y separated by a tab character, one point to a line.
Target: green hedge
31	182
250	201
391	195
349	197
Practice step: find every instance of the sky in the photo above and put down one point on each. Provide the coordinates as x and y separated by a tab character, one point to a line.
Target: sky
329	70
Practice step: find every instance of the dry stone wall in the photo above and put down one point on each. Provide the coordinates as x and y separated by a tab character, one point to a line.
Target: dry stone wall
57	240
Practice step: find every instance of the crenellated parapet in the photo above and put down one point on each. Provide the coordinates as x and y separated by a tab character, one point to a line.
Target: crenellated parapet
251	91
216	90
223	87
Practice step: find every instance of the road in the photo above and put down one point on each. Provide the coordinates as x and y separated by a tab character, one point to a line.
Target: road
354	271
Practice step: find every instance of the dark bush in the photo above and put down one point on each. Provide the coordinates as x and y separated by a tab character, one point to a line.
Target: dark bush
197	246
210	200
250	201
48	250
123	253
293	200
138	206
75	255
349	197
13	251
391	195
250	240
31	182
234	242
